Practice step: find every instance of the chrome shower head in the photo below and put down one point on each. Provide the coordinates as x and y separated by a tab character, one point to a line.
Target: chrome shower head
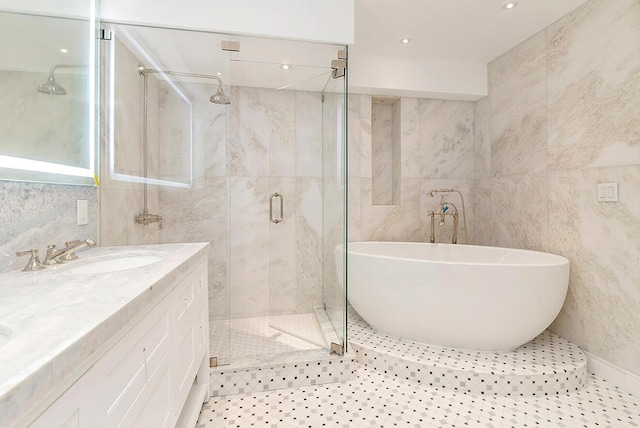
219	97
51	87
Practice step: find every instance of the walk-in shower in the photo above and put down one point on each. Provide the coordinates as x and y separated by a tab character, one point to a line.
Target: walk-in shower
211	171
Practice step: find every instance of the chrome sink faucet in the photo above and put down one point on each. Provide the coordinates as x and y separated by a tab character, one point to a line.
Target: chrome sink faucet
67	253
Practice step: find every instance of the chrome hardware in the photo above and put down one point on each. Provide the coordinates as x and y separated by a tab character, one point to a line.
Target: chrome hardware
337	348
339	65
67	253
145	219
48	258
279	219
104	34
230	45
34	262
445	210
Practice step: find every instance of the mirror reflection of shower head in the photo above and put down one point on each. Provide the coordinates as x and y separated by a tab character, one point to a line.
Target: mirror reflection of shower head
51	87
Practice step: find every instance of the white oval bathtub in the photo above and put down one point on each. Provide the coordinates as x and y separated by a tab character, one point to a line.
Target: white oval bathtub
460	296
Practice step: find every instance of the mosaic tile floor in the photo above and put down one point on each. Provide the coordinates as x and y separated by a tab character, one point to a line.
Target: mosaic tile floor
374	399
251	338
546	365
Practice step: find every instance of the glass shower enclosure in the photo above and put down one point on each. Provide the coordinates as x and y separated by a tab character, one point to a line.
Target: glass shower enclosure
262	179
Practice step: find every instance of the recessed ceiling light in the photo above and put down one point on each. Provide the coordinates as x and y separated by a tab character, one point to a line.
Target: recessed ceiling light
219	74
285	66
405	41
510	5
64	50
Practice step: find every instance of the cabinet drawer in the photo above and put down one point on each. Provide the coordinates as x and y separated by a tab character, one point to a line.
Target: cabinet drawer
183	303
127	367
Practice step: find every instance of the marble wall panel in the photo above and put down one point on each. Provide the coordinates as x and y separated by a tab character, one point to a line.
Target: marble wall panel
392	222
249	137
483	138
396	152
211	124
521	211
447	139
483	224
283	285
382	154
36	215
517	88
281	111
44	127
592	58
593	83
410	153
309	243
249	246
600	313
360	134
173	141
308	150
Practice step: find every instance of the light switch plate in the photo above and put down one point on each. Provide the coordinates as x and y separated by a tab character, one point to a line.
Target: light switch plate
82	212
608	192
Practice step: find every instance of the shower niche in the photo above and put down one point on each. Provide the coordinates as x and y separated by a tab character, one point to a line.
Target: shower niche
386	113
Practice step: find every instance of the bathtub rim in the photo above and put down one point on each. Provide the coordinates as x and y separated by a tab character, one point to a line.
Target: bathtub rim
559	260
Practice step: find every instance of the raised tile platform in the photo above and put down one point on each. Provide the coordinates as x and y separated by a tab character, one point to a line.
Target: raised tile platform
267	353
547	365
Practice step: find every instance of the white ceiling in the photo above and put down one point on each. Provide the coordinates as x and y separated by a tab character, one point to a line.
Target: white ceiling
454	30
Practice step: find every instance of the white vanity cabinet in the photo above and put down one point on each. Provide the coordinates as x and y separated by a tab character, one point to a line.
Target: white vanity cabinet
157	371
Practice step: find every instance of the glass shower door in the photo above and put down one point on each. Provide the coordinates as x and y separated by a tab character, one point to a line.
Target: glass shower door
295	212
334	206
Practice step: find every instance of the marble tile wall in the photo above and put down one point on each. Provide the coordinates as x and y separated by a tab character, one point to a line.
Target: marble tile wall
35	215
264	142
436	150
563	114
44	127
122	199
382	154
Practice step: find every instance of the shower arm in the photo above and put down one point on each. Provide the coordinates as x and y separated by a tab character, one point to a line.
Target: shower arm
55	67
143	70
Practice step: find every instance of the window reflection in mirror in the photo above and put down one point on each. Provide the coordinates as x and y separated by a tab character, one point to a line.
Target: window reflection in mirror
47	99
149	137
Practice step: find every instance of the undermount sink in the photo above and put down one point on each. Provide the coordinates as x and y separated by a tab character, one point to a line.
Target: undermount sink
114	263
5	335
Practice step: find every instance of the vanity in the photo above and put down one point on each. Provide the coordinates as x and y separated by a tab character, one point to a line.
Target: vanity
117	338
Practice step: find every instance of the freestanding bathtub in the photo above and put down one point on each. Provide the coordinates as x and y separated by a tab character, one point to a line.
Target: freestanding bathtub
459	296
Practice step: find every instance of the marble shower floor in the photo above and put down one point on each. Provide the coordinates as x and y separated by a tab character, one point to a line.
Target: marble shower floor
374	399
244	339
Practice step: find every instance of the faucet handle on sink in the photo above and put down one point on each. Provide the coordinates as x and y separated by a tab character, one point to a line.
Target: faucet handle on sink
34	261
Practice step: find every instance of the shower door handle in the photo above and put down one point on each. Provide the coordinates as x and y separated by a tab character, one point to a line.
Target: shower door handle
279	219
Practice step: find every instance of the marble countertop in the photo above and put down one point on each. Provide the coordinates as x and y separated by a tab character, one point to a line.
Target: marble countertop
59	320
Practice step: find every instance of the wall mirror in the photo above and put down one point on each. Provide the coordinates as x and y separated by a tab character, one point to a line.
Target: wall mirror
47	99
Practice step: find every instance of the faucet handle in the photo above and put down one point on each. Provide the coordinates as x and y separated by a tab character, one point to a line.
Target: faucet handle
34	261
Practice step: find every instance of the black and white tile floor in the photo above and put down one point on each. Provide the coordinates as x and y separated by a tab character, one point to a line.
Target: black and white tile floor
374	399
378	399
